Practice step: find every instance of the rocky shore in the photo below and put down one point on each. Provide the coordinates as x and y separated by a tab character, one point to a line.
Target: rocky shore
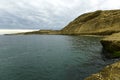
110	72
111	49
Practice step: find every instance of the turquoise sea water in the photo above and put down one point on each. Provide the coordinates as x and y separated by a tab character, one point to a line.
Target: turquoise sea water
49	57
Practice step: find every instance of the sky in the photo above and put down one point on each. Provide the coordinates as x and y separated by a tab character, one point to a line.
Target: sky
47	14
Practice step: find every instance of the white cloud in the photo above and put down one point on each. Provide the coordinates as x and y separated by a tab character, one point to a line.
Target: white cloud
111	4
51	13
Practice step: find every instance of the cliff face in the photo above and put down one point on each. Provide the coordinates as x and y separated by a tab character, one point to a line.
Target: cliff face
98	22
111	45
110	72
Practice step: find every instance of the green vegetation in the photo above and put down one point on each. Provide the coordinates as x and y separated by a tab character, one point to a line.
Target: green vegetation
116	54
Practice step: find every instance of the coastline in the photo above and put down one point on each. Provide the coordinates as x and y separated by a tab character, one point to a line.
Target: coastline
98	24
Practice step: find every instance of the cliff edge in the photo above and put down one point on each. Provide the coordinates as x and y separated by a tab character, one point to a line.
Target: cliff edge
111	45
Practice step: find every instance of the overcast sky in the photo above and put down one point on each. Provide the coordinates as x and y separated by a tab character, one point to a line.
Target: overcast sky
47	14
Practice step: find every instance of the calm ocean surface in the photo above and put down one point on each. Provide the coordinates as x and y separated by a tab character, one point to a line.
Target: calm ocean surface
49	57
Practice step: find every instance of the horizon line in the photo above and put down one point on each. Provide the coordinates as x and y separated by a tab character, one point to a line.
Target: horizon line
11	31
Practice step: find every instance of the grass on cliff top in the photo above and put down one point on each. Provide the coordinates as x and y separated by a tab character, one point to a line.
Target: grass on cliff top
115	36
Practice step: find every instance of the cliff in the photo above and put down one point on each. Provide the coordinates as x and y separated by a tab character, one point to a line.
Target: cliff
111	45
98	23
110	72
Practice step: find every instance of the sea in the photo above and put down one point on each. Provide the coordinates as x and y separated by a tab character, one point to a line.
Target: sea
49	57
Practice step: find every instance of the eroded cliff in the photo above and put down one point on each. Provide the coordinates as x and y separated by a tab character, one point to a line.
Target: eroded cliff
111	46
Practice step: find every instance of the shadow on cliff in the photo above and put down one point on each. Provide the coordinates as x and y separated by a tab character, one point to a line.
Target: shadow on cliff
107	57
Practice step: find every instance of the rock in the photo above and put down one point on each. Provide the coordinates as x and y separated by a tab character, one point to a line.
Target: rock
97	23
111	46
110	72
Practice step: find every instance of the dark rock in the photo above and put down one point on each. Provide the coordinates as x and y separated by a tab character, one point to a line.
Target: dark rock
111	46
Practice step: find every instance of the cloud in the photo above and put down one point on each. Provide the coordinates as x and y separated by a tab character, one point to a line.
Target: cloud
111	4
47	14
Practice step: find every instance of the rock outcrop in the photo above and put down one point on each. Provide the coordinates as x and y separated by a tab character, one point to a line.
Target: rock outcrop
111	49
110	72
111	45
97	23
